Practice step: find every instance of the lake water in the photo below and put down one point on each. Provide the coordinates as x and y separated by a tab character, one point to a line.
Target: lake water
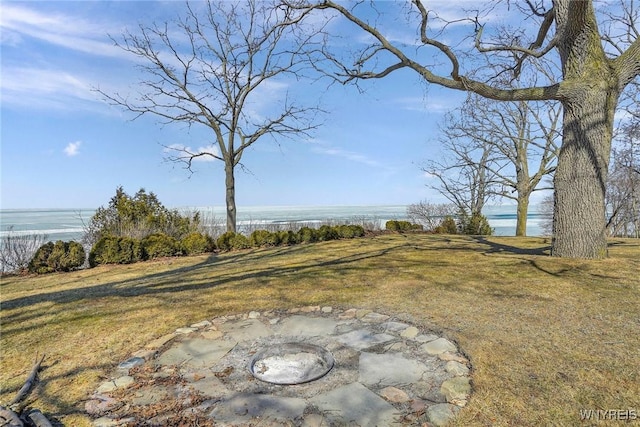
67	224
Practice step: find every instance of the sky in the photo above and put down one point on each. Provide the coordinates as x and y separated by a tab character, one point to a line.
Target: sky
63	146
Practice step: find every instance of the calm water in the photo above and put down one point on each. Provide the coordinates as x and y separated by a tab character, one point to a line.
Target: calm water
67	224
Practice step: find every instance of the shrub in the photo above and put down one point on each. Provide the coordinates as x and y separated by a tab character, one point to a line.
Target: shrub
477	225
307	235
160	245
59	256
263	238
327	232
349	231
447	226
115	250
138	216
402	226
287	237
197	243
231	240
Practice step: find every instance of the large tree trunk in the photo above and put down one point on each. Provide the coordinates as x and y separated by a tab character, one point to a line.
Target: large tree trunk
579	224
230	184
521	214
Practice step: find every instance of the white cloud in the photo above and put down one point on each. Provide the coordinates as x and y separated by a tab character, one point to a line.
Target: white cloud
73	148
324	148
18	23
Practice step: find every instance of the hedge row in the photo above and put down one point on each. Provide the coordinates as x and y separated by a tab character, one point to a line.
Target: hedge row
263	238
402	226
126	250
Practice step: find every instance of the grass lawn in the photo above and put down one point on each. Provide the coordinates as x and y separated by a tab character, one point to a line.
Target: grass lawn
546	337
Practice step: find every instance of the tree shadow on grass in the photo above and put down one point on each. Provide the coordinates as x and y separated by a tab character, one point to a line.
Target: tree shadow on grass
495	247
202	276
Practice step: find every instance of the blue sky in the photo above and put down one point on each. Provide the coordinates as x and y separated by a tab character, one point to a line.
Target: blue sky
64	147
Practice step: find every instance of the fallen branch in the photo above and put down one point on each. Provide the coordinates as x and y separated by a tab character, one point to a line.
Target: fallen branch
12	416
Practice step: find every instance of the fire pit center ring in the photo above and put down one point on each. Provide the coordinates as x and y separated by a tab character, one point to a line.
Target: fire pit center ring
291	363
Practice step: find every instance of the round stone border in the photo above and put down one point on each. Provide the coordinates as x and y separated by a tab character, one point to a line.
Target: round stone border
149	381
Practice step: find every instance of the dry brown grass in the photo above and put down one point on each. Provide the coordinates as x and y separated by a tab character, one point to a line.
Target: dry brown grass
546	337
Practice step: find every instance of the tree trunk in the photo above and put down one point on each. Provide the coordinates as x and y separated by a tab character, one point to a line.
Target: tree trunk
579	224
230	184
521	214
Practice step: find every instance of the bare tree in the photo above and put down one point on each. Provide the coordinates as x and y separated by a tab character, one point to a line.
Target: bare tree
623	186
516	142
594	74
211	68
17	249
466	173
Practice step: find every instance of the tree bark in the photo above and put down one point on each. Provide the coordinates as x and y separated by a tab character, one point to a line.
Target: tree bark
521	214
579	225
230	183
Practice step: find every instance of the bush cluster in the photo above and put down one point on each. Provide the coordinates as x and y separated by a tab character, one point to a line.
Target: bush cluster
402	226
475	224
58	256
126	250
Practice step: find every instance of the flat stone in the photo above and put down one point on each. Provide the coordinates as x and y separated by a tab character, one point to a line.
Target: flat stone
243	407
120	382
327	309
274	320
410	332
202	324
361	313
447	356
396	327
456	368
315	420
425	338
418	406
310	309
306	326
374	318
146	354
210	386
159	342
438	346
363	338
211	335
354	403
100	403
348	314
394	395
254	314
456	389
131	363
185	330
249	329
441	413
389	369
196	352
150	395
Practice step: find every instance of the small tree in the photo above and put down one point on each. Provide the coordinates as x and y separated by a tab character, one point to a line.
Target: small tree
210	68
430	215
138	217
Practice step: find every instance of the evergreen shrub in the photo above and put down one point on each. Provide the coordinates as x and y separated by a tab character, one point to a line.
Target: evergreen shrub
160	245
263	238
350	231
197	243
402	226
58	256
447	226
287	237
327	232
115	250
231	240
307	235
476	224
